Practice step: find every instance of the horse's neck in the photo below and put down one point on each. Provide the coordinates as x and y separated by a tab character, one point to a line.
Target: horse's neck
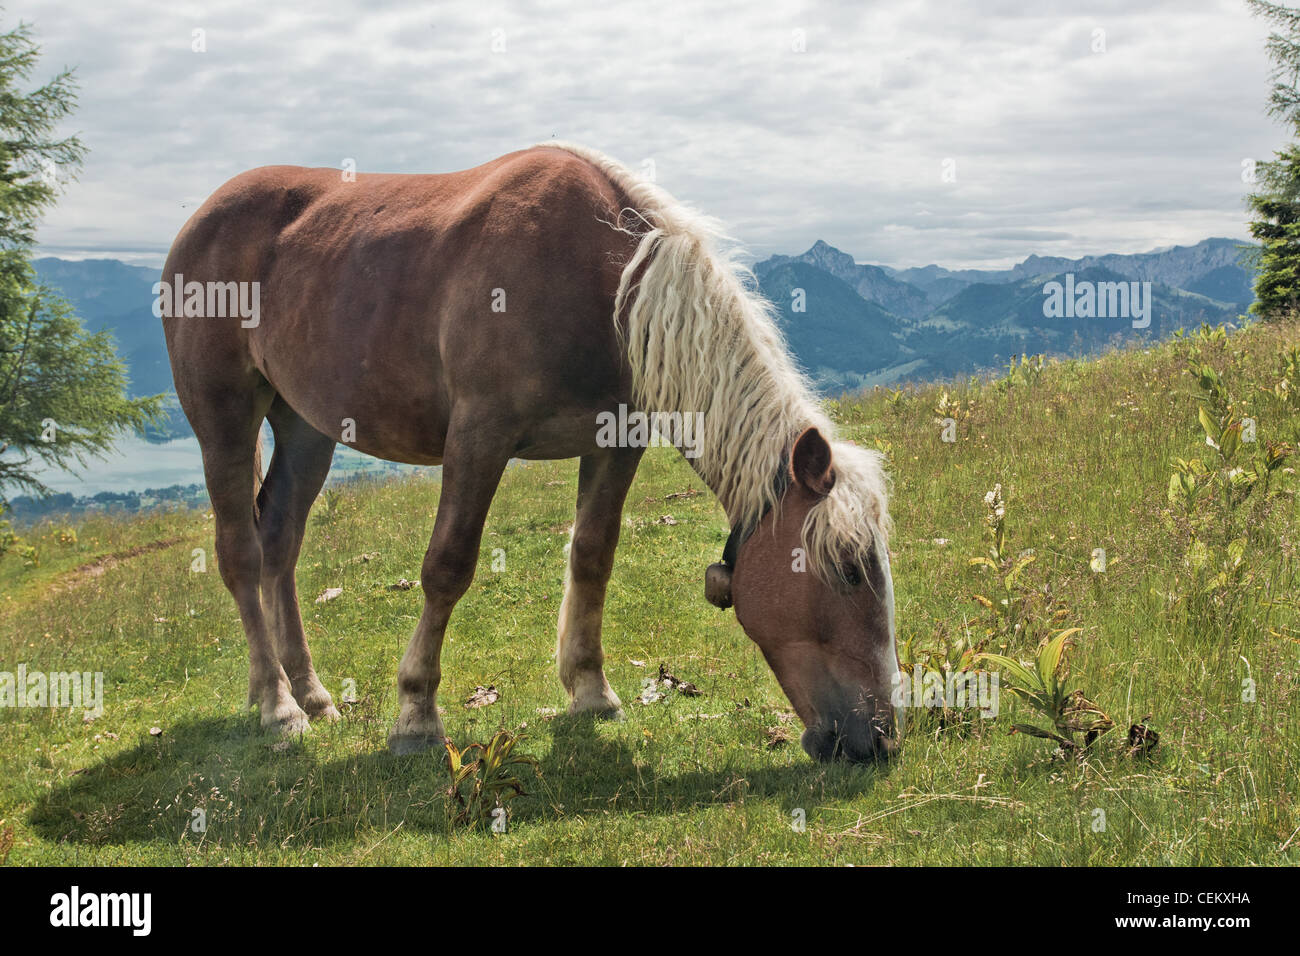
741	482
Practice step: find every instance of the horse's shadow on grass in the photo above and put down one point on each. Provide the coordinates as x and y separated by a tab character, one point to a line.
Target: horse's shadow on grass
217	781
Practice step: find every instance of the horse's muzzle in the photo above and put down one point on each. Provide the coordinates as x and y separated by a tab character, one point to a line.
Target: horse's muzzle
854	738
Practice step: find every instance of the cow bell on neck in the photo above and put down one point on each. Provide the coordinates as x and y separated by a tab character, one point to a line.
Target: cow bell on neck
717	585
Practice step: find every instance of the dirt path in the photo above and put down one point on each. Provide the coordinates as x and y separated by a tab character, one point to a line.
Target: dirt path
94	569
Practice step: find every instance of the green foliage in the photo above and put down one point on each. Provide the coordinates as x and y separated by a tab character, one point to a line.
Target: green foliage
947	656
1010	600
1023	371
1276	224
12	542
935	665
1014	605
329	507
947	407
1284	51
1285	392
61	389
483	777
7	536
1275	202
1043	685
1221	499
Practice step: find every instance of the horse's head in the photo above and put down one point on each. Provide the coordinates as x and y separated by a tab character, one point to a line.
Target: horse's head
812	588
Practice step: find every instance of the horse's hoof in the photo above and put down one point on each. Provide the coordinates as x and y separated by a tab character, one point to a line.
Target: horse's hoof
316	701
287	722
329	713
590	693
404	745
601	710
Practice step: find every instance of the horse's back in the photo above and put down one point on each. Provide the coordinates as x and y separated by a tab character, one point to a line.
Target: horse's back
387	295
261	213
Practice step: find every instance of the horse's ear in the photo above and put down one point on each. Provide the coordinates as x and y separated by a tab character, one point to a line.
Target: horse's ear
810	462
717	585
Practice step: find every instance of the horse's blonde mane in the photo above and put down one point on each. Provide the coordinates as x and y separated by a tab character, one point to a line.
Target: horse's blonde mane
699	340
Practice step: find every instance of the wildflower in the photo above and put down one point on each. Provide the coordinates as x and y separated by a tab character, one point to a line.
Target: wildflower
996	505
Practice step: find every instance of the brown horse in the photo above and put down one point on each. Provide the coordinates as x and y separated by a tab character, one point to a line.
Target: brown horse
506	312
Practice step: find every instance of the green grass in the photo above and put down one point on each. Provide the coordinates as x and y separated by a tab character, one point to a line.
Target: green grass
1084	454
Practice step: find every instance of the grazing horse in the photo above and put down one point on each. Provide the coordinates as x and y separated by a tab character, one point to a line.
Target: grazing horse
500	312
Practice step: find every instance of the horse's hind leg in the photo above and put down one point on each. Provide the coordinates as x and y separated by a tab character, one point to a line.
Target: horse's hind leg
472	467
603	482
227	434
299	466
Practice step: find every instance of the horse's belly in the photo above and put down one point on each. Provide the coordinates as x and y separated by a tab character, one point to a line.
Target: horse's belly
563	436
407	421
394	417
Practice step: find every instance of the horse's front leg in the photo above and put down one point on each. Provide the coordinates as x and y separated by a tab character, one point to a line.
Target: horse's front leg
472	467
603	482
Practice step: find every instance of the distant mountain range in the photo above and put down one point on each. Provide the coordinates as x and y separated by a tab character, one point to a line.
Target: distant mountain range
112	295
851	325
854	325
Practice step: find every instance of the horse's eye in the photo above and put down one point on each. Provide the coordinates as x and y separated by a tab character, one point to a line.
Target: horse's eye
851	575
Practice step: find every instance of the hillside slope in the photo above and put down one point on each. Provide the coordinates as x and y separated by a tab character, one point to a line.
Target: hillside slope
1190	620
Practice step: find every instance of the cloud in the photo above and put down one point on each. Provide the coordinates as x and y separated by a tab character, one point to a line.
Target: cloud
1064	141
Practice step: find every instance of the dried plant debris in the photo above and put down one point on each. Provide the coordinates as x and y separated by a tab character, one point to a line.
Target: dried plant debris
650	691
777	735
657	688
1142	740
681	686
483	696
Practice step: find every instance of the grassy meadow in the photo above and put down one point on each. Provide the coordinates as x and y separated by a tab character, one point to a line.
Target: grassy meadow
1193	625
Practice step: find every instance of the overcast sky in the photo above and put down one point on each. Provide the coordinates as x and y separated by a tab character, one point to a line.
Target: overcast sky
1063	140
